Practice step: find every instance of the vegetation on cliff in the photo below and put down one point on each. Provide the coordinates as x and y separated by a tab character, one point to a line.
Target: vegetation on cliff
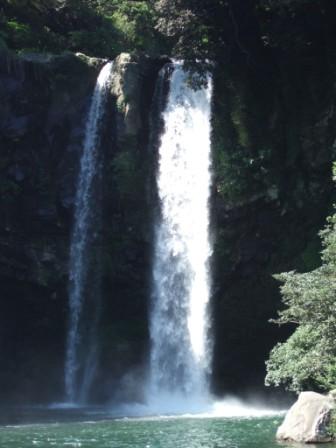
188	29
95	27
307	360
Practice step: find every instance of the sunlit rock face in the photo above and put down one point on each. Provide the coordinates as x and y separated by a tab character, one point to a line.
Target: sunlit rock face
133	79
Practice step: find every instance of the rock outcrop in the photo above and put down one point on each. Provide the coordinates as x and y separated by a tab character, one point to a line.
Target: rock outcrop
132	77
307	420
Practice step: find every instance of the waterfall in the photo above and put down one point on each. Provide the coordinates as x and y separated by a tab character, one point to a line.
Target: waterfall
80	360
180	352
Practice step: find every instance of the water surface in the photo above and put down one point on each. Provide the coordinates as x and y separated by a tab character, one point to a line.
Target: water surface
164	432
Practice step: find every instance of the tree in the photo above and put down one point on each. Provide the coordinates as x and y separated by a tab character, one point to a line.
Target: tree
308	358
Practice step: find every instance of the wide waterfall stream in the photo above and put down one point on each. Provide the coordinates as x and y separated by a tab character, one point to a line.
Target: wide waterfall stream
180	352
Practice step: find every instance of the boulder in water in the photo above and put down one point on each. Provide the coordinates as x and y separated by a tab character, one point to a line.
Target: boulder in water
308	419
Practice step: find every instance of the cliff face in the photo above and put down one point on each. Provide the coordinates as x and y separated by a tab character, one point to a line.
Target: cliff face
127	231
43	105
273	143
273	140
44	102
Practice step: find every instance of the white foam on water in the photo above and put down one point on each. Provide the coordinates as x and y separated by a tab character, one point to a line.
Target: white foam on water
64	405
229	407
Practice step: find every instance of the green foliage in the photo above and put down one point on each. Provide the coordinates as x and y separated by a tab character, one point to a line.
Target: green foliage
194	31
19	31
241	174
185	24
134	21
308	358
95	27
18	35
100	42
23	37
300	363
234	175
332	425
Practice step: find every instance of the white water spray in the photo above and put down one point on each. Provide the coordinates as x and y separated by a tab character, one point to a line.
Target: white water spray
180	354
81	237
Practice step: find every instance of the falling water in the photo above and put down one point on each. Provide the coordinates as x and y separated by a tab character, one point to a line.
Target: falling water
180	355
78	369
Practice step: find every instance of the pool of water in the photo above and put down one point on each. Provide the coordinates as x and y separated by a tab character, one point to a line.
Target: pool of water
159	432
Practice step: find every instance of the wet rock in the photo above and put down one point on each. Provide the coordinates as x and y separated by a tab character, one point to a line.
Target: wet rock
91	61
130	82
125	87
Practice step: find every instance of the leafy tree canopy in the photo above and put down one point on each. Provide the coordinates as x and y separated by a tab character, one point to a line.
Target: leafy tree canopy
96	27
202	31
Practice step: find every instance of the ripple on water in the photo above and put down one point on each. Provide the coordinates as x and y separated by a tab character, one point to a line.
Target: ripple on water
148	433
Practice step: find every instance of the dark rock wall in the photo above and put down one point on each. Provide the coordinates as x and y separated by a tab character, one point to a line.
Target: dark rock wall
127	233
43	107
44	102
274	140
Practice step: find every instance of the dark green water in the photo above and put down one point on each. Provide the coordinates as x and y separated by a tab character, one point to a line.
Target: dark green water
148	433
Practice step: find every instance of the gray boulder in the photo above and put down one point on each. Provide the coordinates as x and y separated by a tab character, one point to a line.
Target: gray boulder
307	420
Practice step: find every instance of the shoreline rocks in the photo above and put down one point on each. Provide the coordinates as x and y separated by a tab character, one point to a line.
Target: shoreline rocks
308	419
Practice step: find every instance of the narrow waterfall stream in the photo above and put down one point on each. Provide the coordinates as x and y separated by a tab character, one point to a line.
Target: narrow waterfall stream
80	361
181	352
